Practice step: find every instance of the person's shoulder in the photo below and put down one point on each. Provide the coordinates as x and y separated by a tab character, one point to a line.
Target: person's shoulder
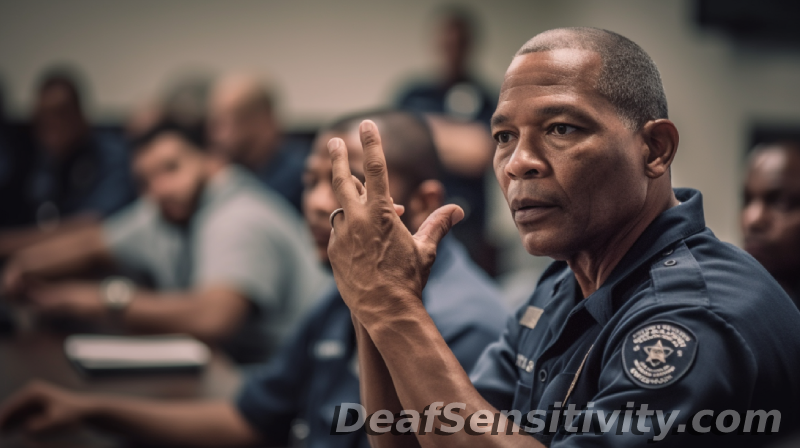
251	204
460	294
714	288
111	148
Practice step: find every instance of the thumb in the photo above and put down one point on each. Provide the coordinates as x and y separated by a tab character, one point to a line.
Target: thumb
438	224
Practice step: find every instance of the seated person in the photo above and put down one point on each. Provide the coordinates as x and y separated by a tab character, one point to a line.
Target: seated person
245	129
317	369
771	213
230	261
77	174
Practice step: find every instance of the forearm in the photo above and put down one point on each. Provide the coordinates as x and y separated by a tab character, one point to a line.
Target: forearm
69	252
182	423
377	388
206	315
14	240
425	371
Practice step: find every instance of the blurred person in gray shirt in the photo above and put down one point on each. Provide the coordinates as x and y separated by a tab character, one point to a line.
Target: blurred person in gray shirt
229	261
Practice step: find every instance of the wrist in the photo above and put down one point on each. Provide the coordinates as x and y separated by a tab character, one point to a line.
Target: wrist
398	314
117	293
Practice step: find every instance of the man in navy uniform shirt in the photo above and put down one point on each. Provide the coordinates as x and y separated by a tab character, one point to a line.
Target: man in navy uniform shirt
646	322
317	369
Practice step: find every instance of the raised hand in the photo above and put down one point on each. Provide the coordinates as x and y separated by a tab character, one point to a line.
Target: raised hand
377	263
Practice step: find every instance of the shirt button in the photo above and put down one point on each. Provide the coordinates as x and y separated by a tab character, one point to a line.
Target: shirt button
670	263
542	375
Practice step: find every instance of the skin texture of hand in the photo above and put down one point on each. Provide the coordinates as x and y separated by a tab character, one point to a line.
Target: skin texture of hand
372	253
80	300
42	407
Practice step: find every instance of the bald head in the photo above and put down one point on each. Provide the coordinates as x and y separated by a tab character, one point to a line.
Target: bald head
242	91
242	122
628	77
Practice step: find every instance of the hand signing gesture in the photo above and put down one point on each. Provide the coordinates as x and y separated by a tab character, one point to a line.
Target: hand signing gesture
378	264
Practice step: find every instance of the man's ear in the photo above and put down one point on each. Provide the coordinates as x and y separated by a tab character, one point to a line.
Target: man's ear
661	140
426	198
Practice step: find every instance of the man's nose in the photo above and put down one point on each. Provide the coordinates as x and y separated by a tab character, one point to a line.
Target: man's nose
755	217
526	162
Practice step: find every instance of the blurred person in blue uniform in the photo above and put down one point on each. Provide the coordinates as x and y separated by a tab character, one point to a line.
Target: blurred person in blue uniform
221	258
645	320
294	396
457	96
771	213
78	174
244	127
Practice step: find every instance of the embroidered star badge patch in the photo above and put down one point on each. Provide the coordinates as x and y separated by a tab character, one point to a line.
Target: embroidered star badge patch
658	354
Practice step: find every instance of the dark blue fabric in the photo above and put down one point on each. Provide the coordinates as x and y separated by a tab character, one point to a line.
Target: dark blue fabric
316	369
284	173
96	179
747	349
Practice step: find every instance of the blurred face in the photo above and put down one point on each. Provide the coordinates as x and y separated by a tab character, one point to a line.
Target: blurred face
239	132
453	45
571	171
59	122
172	174
771	214
319	201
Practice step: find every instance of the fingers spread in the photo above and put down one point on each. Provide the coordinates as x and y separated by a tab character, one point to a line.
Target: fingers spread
377	179
343	187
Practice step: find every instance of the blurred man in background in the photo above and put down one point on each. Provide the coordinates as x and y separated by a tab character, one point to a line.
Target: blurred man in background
244	128
78	175
456	98
317	370
229	261
771	213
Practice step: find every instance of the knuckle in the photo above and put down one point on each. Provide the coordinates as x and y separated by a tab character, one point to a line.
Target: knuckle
373	167
369	139
338	183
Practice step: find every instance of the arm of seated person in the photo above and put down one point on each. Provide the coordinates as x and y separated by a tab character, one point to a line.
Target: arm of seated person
209	314
14	240
70	252
42	407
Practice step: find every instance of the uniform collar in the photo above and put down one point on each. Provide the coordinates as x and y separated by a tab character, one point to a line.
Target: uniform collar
671	226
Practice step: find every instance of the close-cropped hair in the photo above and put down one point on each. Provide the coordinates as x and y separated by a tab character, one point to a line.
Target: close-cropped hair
628	79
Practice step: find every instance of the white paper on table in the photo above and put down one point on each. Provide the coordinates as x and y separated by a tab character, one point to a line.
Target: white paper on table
100	352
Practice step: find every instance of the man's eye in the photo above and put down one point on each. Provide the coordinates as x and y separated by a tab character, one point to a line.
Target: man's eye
502	137
563	129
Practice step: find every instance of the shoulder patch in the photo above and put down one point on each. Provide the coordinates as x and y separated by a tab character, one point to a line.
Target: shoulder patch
658	354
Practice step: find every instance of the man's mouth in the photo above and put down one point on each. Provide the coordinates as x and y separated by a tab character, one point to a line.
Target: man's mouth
528	210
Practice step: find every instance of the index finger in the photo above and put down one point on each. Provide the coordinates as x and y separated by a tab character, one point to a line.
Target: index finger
375	173
342	184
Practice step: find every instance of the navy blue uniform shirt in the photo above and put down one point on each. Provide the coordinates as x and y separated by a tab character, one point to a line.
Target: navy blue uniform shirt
684	323
317	370
284	172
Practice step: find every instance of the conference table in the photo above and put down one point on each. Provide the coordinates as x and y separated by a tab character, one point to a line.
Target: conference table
29	355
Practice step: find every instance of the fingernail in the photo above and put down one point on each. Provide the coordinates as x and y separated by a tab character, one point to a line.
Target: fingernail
333	144
366	126
456	216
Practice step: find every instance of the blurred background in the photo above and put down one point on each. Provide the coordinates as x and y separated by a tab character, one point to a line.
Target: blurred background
81	80
730	68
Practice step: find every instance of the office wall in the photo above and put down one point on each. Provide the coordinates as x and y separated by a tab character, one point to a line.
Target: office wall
330	57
